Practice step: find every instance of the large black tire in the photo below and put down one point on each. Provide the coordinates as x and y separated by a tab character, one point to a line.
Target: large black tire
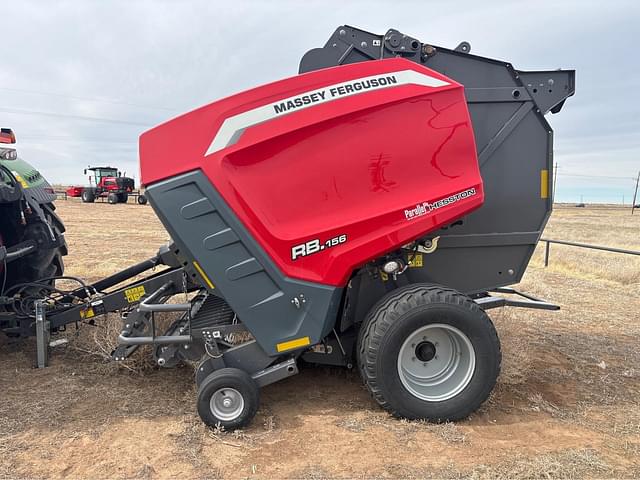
113	198
123	197
42	263
235	386
398	371
88	196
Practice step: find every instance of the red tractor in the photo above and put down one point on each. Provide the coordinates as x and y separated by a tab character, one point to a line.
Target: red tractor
106	182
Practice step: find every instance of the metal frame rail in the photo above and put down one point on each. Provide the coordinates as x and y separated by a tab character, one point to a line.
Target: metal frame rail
549	241
487	301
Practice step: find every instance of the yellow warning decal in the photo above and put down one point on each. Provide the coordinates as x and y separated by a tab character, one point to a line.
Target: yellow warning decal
291	344
134	294
203	275
544	183
88	313
20	179
416	260
384	276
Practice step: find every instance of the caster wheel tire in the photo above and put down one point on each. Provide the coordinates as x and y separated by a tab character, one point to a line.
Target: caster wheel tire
428	352
228	398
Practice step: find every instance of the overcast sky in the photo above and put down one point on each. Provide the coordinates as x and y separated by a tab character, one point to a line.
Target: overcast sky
80	80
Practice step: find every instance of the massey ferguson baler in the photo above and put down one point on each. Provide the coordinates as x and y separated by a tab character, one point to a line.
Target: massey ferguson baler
367	212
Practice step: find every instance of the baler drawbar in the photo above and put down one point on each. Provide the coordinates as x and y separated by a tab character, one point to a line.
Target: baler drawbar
366	212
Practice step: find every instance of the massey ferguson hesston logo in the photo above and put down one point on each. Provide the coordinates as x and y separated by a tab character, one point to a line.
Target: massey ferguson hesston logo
426	207
330	93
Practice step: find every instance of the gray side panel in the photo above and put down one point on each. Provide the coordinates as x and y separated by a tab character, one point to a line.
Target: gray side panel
207	231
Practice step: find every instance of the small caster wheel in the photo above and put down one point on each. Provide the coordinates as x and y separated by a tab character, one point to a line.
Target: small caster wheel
229	398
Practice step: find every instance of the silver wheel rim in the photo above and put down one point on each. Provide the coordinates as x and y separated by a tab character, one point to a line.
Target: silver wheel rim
226	404
436	362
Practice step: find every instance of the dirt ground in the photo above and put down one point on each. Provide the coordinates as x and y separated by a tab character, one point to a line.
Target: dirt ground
566	404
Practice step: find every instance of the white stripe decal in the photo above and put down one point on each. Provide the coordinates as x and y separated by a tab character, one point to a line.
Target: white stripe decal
232	127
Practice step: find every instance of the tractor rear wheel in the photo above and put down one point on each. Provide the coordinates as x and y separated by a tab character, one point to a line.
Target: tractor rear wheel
428	352
123	197
88	196
228	398
47	263
44	262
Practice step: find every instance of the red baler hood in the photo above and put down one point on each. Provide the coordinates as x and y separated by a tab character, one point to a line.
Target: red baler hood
381	152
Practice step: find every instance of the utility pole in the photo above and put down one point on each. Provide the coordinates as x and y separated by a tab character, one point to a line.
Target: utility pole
635	193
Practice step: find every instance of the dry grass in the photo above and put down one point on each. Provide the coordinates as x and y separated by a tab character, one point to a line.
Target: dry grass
101	339
566	404
518	353
612	227
567	464
107	238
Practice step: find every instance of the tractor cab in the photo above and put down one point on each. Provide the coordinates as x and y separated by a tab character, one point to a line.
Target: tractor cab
103	175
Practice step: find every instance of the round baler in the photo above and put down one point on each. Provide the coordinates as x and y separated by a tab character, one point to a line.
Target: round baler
362	213
365	213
